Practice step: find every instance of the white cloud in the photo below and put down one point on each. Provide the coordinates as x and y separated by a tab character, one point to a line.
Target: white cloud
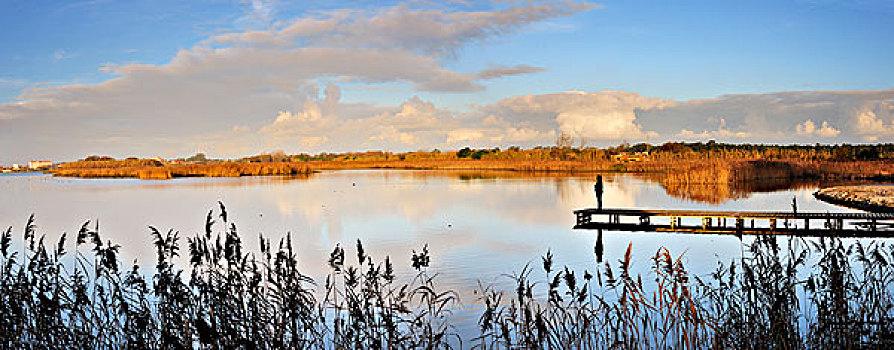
720	133
808	128
257	90
244	78
603	115
847	116
430	31
464	135
871	125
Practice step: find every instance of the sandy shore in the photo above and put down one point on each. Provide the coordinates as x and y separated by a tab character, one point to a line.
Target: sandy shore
870	198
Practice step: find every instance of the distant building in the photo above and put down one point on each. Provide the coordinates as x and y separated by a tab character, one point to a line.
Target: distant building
39	164
16	167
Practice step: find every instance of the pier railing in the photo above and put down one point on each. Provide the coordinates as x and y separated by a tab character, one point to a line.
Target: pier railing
738	222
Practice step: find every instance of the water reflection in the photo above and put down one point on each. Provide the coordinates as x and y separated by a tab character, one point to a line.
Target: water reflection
479	225
722	193
598	248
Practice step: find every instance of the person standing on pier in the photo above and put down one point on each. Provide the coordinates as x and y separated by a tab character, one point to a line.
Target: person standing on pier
598	189
794	205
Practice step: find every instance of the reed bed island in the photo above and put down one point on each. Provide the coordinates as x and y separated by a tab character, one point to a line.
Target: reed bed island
679	167
878	198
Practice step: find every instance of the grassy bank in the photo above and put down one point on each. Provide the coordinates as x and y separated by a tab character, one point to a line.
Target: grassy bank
788	294
677	163
674	175
155	170
870	198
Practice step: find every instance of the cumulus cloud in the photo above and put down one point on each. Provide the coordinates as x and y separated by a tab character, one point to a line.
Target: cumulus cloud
246	78
603	115
414	123
847	116
607	117
872	126
809	128
720	133
258	90
464	135
599	118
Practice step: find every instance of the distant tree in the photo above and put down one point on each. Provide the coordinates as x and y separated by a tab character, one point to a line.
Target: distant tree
867	153
843	152
478	154
464	153
674	147
640	147
198	157
564	140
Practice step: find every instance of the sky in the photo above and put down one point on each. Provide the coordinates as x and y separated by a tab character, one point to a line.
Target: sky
232	78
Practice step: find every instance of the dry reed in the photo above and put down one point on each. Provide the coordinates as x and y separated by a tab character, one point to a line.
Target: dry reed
77	294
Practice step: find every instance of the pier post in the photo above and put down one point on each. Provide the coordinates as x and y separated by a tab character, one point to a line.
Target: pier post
806	224
773	224
644	220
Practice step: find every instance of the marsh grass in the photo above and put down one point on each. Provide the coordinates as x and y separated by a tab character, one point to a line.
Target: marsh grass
782	293
154	170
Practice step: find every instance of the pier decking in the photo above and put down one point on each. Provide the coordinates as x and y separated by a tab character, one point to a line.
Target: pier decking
738	222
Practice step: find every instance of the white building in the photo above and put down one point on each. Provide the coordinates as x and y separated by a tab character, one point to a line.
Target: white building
39	164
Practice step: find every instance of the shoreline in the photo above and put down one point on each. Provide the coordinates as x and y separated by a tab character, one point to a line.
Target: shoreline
872	198
668	172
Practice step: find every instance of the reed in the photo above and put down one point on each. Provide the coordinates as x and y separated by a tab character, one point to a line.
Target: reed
168	171
782	293
671	169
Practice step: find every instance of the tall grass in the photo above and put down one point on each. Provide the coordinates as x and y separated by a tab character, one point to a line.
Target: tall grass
208	291
158	171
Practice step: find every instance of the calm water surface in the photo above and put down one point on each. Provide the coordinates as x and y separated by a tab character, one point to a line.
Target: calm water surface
478	226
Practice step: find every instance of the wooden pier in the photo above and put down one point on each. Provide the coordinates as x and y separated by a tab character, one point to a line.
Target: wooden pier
738	222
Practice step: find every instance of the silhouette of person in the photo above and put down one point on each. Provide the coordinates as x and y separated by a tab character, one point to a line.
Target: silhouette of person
795	205
598	189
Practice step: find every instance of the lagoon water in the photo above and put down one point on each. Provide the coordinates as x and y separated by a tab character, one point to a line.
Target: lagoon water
479	226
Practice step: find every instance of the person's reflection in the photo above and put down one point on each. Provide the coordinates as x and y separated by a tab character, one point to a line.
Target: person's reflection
598	248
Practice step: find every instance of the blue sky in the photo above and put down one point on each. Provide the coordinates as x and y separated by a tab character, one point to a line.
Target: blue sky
675	51
681	50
